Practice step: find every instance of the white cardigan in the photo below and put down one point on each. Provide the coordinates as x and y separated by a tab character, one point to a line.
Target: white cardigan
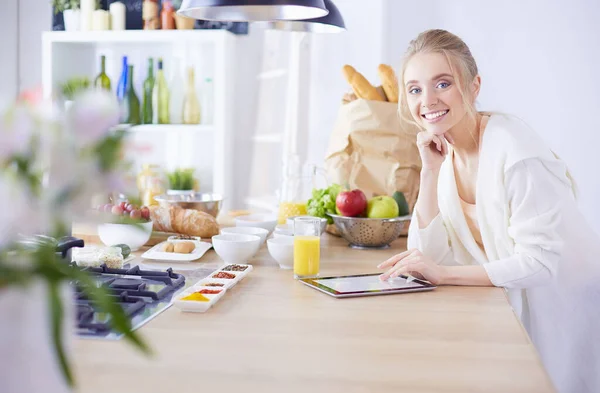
537	245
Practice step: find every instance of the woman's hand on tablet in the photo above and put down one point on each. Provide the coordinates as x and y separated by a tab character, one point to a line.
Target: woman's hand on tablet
415	263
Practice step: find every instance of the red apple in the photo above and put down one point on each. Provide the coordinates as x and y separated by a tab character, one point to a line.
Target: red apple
351	203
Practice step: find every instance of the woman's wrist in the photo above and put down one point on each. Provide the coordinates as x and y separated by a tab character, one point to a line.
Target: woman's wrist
475	275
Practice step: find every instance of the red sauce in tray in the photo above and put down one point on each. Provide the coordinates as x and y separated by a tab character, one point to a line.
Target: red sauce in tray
209	291
228	276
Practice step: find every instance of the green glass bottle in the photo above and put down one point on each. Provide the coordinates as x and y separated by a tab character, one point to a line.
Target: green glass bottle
102	81
161	96
191	105
132	102
148	88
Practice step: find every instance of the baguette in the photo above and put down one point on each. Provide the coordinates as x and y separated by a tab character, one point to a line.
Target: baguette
389	82
185	221
360	85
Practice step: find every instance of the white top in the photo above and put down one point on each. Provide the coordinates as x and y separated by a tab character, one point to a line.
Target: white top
537	245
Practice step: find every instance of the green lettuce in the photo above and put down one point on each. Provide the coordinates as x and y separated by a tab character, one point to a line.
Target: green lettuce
323	202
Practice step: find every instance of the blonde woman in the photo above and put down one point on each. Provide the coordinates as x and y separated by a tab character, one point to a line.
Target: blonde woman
496	207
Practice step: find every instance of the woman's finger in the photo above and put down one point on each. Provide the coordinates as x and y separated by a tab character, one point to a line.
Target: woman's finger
398	257
403	263
449	138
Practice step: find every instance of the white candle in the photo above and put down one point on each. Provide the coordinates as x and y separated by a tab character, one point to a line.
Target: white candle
117	14
87	8
100	20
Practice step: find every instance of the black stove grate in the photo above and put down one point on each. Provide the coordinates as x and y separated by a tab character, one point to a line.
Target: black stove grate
134	290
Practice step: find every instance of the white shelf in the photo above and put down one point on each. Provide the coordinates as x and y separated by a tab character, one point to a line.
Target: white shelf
195	128
134	36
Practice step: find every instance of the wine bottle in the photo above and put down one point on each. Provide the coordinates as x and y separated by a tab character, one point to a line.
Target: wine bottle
147	100
191	106
132	101
122	86
176	91
102	81
161	96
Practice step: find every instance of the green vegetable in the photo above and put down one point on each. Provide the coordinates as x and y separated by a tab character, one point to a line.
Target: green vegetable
125	249
323	202
402	204
181	179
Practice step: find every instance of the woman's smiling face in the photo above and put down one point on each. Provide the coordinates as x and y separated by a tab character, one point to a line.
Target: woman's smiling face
433	98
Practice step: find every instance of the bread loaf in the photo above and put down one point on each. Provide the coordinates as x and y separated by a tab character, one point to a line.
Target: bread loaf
389	82
360	85
185	221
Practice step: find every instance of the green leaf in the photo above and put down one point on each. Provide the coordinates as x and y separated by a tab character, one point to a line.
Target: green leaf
57	317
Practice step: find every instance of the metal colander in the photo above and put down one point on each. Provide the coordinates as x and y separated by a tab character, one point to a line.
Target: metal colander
370	232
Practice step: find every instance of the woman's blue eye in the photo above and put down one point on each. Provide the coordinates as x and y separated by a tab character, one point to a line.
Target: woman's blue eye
414	90
443	85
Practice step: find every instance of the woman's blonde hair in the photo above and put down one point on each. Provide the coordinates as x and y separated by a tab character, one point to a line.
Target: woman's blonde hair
461	61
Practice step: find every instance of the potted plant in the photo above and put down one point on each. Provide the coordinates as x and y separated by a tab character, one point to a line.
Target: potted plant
51	164
182	22
70	11
181	181
73	87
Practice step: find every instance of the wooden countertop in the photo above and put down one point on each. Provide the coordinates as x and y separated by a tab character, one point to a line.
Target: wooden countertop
273	334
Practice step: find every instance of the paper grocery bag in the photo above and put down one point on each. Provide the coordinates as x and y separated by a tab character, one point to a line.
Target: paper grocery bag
371	149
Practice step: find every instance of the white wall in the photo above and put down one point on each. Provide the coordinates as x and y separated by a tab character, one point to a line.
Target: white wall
538	59
8	51
35	16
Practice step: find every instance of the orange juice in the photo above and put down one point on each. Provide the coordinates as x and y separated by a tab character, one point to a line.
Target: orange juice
306	255
290	209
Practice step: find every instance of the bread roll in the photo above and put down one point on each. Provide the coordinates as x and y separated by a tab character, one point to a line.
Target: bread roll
184	247
167	247
186	221
360	85
389	82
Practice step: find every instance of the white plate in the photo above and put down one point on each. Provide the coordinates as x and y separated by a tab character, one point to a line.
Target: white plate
155	254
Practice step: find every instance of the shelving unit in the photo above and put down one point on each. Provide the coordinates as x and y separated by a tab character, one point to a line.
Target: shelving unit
206	147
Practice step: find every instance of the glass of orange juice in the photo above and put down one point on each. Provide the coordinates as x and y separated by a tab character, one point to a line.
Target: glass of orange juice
307	244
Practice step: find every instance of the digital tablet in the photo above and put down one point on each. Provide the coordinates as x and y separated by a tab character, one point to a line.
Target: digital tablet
365	285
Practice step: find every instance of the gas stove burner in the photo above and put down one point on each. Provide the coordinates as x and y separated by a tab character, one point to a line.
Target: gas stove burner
142	295
128	283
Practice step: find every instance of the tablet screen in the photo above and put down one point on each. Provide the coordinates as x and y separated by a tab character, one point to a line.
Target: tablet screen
365	283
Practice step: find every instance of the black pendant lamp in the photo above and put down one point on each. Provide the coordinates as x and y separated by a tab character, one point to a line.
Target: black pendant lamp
252	10
330	23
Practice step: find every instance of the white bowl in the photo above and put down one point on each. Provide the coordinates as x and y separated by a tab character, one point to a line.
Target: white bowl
283	230
282	250
260	232
236	248
265	221
135	236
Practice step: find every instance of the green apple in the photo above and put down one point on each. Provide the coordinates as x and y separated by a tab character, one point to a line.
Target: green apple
382	207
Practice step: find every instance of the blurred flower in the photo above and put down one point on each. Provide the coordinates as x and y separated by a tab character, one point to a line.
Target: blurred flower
16	131
20	215
92	115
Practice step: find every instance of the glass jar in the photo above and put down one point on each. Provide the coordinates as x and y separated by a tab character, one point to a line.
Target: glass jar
296	189
151	182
